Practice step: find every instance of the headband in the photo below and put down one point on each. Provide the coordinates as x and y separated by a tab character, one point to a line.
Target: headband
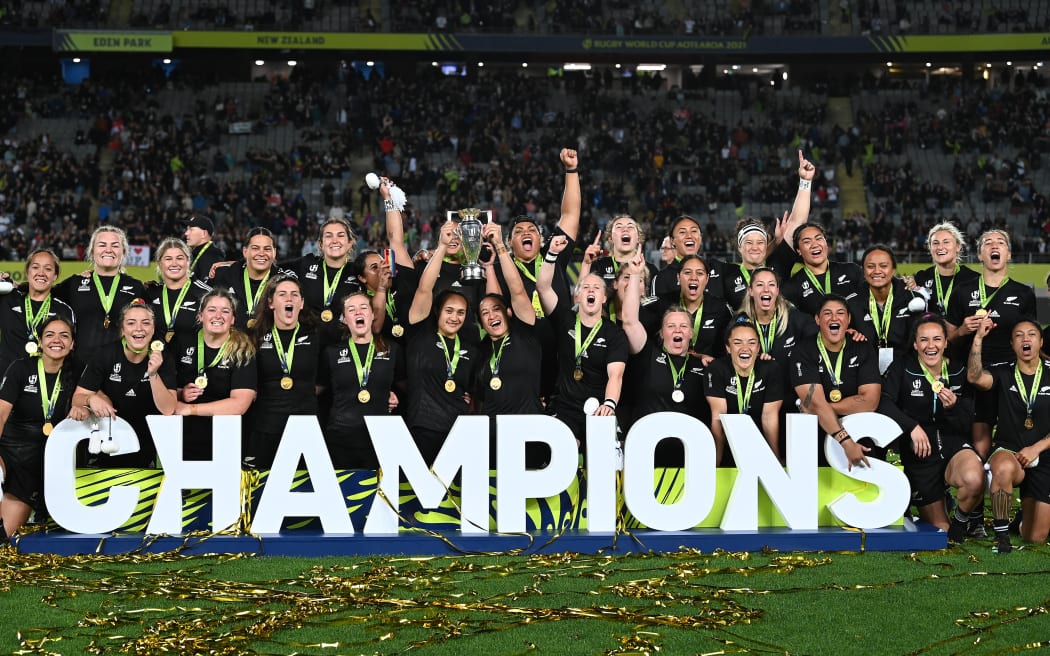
748	229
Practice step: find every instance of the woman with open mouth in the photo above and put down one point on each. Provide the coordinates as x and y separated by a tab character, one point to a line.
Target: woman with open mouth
592	351
624	241
834	376
510	360
287	350
992	294
130	379
929	397
97	295
884	308
391	294
742	382
819	276
23	312
247	280
176	300
439	362
360	371
781	326
215	372
708	313
328	277
939	281
1021	440
35	395
663	375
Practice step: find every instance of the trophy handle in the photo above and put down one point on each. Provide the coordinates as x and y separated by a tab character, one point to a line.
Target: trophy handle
449	214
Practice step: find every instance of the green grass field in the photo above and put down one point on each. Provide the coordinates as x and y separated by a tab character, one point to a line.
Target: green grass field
966	600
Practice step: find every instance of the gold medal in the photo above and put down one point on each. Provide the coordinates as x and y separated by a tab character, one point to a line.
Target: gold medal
397	331
105	323
1028	423
156	346
287	383
495	383
326	316
201	381
835	396
168	335
936	386
577	374
48	427
251	323
981	312
450	386
363	396
32	348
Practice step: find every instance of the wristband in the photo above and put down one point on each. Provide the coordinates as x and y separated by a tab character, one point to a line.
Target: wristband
551	257
804	184
575	170
841	436
389	205
610	403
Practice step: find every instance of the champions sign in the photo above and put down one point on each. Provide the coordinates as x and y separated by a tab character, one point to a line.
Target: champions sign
792	489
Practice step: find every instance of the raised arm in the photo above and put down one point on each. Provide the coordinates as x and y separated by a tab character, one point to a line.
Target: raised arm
545	279
630	308
519	299
978	376
395	230
590	256
424	298
785	229
379	298
570	199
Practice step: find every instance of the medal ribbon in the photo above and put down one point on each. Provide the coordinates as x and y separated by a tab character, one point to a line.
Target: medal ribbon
744	271
106	299
767	335
250	300
985	300
497	356
33	320
836	374
450	362
362	371
590	338
942	297
48	401
330	287
931	380
882	323
200	353
743	399
391	305
676	374
536	264
197	259
285	357
696	320
1028	396
169	316
827	280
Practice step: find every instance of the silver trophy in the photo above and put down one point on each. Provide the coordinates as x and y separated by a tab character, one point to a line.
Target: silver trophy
470	240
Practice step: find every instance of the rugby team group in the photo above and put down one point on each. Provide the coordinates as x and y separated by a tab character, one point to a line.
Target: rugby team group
953	353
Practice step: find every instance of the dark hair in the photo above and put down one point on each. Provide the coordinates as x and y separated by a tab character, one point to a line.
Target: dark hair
833	298
879	247
681	262
265	232
357	265
798	233
495	297
137	303
928	318
36	251
264	315
53	318
378	337
443	297
740	321
1032	320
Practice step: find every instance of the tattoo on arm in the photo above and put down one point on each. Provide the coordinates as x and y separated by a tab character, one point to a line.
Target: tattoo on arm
974	366
809	396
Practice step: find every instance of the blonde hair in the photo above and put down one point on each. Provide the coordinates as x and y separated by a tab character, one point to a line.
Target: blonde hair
239	347
951	230
167	245
90	257
634	222
780	312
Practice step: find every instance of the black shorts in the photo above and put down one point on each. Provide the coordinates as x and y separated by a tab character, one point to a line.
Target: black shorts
24	477
1036	483
926	475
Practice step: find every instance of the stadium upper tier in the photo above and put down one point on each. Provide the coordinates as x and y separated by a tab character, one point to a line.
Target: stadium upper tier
594	17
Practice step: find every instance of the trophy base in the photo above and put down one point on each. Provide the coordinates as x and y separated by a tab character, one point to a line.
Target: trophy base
472	272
